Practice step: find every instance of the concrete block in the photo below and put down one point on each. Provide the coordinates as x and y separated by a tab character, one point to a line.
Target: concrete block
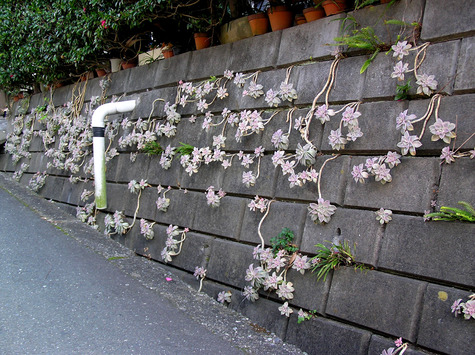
147	206
67	208
280	122
25	179
255	53
37	100
35	163
378	82
52	188
265	183
360	228
224	220
439	329
156	175
458	19
388	303
71	193
408	11
111	167
116	194
333	182
378	124
148	248
281	215
146	106
133	240
3	161
212	61
312	79
320	336
456	183
412	187
142	77
263	312
54	171
465	78
228	262
349	83
195	252
432	249
37	124
456	109
119	82
309	293
212	289
441	61
9	166
127	170
62	95
14	109
172	70
182	208
309	41
93	88
36	144
208	175
193	134
379	343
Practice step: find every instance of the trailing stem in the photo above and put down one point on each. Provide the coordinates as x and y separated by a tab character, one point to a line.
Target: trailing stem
320	174
262	221
326	89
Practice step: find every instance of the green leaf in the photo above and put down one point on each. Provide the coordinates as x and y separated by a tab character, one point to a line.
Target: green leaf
396	22
368	62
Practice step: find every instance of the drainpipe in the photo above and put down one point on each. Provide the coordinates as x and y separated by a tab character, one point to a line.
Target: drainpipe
98	142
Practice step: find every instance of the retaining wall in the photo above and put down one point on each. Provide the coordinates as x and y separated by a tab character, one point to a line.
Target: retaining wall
415	269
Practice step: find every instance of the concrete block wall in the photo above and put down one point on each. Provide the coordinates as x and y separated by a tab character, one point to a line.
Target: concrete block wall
416	269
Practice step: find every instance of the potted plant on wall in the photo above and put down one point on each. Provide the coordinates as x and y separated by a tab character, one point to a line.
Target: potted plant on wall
259	21
313	11
333	7
280	15
129	52
102	69
167	50
200	28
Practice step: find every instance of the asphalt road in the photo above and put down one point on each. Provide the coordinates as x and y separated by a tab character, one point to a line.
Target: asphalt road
59	297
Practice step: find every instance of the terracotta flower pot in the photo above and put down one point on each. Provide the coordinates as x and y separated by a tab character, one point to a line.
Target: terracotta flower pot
280	17
87	76
128	64
101	72
300	19
168	53
385	1
333	7
202	40
312	13
259	23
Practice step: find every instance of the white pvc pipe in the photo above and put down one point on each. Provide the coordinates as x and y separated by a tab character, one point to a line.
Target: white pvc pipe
98	143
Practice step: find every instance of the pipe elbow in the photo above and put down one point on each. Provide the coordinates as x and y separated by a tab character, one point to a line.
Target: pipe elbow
110	108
